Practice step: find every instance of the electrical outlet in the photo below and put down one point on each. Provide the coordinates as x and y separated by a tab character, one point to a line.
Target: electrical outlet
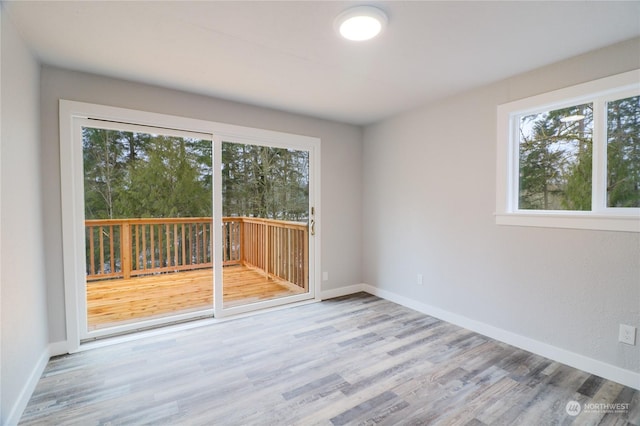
627	334
419	280
325	276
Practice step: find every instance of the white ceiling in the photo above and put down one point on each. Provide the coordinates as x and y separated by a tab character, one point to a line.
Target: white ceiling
286	55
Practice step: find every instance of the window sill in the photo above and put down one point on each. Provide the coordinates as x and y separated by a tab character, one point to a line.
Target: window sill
571	221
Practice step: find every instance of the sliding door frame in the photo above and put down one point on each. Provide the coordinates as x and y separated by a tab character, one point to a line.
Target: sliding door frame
308	145
85	333
72	113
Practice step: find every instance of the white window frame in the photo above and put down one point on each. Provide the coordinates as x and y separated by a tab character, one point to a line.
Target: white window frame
600	217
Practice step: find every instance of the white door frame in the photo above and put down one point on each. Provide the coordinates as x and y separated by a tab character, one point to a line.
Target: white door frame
72	113
314	166
85	333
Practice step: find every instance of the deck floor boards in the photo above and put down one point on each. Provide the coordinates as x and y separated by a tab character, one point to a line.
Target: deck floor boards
120	301
354	360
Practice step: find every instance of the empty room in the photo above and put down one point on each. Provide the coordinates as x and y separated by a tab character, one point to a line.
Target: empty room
320	212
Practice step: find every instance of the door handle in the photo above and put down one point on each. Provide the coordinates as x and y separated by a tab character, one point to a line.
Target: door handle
313	227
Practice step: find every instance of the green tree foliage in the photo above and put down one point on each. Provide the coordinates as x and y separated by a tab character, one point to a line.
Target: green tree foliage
104	171
556	157
265	182
135	175
556	160
623	153
167	182
129	175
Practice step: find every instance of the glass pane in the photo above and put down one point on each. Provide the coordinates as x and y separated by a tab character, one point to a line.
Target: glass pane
555	159
148	208
623	152
265	208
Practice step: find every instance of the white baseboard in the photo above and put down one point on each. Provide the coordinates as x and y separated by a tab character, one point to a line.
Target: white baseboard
590	365
342	291
27	390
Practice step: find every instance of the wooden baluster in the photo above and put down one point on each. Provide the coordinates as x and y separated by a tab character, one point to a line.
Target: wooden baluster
254	244
205	252
305	259
234	240
294	255
267	250
194	242
100	234
300	256
299	259
230	239
112	263
259	260
198	243
184	248
153	246
125	242
92	262
144	246
225	236
160	246
132	241
188	238
277	249
263	247
209	258
275	255
168	238
300	264
289	252
249	242
240	228
290	272
175	244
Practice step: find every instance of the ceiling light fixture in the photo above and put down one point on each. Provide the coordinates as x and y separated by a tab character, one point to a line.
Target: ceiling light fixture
361	23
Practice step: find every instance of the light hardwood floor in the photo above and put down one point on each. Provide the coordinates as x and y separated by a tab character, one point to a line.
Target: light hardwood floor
352	360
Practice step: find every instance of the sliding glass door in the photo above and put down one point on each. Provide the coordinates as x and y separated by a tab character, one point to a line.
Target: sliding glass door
148	227
164	225
267	221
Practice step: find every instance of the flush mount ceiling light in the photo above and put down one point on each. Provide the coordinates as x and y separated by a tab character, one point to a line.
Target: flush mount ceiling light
361	23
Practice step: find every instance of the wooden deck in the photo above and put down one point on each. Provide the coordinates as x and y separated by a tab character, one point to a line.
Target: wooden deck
120	301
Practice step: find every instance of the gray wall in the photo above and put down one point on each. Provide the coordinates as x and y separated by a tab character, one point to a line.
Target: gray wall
341	174
22	279
429	198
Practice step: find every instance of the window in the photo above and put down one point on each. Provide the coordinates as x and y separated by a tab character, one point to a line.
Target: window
571	158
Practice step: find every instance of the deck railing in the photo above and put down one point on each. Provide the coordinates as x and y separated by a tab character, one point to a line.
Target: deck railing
123	248
277	247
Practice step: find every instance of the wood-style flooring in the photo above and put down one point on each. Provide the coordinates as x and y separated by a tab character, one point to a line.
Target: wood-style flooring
347	361
120	301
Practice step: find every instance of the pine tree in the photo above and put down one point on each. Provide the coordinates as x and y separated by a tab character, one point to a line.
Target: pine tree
623	153
555	160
